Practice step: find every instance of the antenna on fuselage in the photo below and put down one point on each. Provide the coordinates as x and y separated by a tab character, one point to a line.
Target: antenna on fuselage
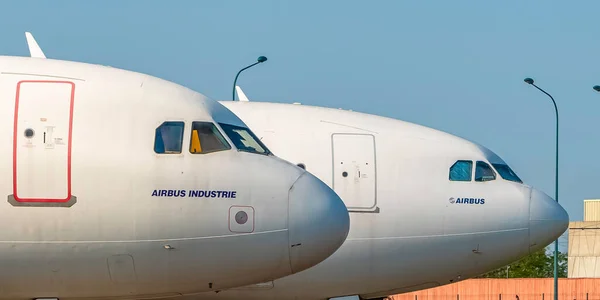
240	93
243	97
34	48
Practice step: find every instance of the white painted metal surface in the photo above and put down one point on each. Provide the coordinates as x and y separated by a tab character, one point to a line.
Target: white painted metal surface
43	116
354	177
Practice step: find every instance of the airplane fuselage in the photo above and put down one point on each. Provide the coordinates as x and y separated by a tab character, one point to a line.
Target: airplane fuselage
110	193
411	227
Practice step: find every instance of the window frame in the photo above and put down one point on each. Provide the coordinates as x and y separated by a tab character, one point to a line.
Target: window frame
489	167
471	173
220	136
181	137
251	133
509	169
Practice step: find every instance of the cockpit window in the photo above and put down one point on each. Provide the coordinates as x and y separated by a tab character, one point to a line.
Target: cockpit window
168	138
507	173
244	139
206	138
461	170
483	172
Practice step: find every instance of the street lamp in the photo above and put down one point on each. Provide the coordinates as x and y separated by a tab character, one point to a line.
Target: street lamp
597	88
259	60
530	81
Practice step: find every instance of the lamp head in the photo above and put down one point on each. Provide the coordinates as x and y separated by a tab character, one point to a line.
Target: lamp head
529	80
597	88
262	59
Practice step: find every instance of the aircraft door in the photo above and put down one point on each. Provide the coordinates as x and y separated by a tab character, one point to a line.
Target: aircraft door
354	173
42	144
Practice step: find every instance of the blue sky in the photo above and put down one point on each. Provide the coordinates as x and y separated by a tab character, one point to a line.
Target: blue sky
456	66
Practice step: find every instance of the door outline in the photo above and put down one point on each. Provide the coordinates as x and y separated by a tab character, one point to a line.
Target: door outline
374	208
14	199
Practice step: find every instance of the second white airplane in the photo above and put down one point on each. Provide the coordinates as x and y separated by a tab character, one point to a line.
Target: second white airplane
427	208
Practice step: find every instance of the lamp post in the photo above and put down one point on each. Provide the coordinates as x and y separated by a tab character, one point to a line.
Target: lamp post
530	81
259	60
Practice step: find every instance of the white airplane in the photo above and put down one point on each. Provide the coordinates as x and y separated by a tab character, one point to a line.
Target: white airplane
427	208
120	185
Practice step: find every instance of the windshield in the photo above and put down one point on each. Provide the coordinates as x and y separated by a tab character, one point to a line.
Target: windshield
244	139
483	172
507	173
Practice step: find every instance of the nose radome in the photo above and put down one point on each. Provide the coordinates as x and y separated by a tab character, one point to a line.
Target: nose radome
318	222
547	220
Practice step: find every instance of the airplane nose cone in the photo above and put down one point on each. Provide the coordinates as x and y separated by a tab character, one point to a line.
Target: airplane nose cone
318	222
547	220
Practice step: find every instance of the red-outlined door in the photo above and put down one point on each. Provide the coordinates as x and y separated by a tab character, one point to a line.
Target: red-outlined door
42	143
